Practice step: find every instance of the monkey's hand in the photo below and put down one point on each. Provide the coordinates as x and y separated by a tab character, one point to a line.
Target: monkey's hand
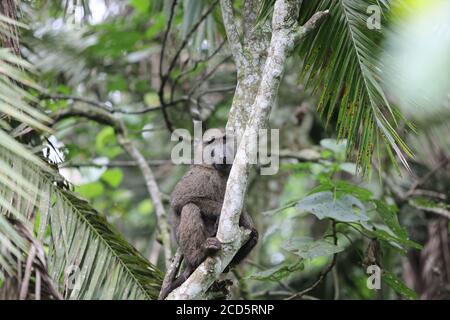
212	245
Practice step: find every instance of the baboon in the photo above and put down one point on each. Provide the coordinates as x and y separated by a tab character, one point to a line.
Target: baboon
196	203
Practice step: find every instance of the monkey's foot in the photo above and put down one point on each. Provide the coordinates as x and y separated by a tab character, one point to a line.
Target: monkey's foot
212	245
220	290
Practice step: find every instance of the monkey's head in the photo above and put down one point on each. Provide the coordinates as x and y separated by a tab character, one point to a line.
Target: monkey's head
218	150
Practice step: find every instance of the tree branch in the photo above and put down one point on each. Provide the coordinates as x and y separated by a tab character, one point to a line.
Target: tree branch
312	24
111	164
108	107
284	25
233	36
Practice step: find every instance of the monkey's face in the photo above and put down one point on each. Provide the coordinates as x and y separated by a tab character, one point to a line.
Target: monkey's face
219	152
223	168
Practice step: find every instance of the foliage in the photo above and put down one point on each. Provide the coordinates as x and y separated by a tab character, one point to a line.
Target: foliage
349	206
341	62
77	238
321	225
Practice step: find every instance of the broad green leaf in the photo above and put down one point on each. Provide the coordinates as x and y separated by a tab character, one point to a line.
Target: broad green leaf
307	248
341	187
346	208
158	25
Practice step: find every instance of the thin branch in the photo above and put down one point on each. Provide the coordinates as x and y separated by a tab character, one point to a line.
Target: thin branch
111	164
312	24
186	41
95	103
193	68
426	177
324	273
165	76
151	109
229	21
304	155
166	36
216	90
206	76
161	63
401	197
279	293
108	107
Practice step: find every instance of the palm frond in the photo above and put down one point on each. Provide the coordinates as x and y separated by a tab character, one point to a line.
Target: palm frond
87	257
21	249
341	63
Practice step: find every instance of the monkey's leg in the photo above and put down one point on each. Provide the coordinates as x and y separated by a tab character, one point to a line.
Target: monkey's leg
193	238
246	222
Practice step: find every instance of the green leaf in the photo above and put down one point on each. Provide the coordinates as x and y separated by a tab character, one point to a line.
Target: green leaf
346	208
389	215
395	283
145	207
117	82
90	190
278	272
307	248
157	26
338	147
113	177
152	99
106	144
341	187
390	238
141	5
